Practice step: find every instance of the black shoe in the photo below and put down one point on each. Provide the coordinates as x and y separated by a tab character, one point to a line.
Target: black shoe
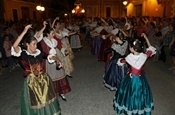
69	76
63	97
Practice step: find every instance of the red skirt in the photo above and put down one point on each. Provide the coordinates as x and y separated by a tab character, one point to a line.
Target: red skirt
61	86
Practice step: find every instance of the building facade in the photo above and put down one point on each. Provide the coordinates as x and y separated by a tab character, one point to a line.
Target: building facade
101	8
116	8
22	9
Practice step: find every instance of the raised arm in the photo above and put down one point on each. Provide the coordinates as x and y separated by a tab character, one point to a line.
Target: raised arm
124	33
118	40
57	18
41	31
146	38
20	37
112	21
104	21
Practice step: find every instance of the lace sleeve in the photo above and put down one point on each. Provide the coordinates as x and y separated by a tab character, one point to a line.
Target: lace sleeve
150	51
49	59
17	54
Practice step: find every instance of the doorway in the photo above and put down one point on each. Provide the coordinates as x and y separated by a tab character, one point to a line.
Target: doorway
138	10
25	12
108	11
15	14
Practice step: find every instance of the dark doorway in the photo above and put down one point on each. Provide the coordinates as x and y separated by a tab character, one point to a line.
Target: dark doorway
34	14
138	10
15	14
25	12
108	11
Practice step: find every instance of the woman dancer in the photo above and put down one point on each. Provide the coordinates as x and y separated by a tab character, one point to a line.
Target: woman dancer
134	95
57	74
38	96
113	72
66	55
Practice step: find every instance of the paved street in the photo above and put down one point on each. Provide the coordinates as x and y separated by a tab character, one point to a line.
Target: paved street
88	95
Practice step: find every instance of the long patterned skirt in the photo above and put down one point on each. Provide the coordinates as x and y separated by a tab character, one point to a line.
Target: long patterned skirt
134	96
61	84
114	75
75	42
38	96
66	61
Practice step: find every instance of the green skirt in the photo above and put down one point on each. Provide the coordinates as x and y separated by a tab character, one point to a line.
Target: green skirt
134	96
33	103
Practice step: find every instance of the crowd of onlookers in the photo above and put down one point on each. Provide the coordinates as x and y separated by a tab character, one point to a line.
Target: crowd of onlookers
9	31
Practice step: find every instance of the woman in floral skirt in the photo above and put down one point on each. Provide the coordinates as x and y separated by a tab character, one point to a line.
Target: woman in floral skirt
38	96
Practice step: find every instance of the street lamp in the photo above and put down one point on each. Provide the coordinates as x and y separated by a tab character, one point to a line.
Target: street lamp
73	11
40	8
65	14
125	2
78	9
82	11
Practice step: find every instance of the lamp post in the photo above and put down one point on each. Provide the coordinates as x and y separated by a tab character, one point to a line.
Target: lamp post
40	8
78	9
125	2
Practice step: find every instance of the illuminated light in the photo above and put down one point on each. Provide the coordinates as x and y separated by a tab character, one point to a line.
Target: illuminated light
38	7
77	7
125	2
65	14
42	9
73	11
82	11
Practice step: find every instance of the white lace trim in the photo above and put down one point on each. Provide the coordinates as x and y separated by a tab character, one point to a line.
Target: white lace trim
115	31
17	54
34	54
119	62
136	61
65	32
52	44
140	112
152	49
99	29
49	59
110	87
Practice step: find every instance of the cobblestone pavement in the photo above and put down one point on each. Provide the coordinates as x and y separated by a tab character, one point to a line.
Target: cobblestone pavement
88	95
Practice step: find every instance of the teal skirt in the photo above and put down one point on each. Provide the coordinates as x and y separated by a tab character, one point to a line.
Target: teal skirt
52	108
134	96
